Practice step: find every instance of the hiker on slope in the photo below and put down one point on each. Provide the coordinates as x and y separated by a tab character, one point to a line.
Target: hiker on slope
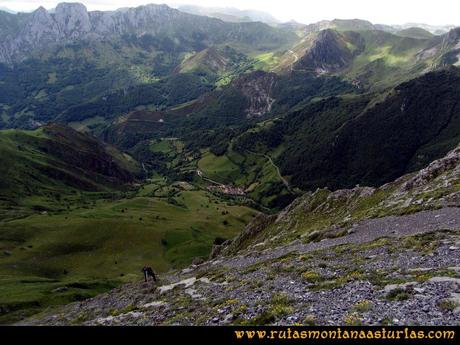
148	273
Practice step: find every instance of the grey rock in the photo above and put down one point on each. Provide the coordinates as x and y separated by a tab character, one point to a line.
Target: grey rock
405	286
444	280
61	289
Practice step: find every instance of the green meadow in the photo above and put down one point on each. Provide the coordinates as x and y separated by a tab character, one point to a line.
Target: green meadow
50	259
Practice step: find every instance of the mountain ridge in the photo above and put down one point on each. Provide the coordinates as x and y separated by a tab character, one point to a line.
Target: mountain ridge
71	21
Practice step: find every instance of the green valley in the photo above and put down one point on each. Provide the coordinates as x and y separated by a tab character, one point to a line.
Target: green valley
72	234
155	136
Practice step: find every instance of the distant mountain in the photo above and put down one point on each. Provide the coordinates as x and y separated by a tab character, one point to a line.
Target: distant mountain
75	64
293	25
144	73
341	25
71	22
230	14
6	9
434	29
362	25
328	53
415	32
371	58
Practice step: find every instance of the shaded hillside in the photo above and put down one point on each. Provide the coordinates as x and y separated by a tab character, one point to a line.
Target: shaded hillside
329	214
343	142
55	161
328	53
213	63
249	98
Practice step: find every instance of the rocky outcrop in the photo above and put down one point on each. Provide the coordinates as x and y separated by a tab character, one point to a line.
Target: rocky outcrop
249	234
451	38
258	89
451	162
327	54
71	22
325	214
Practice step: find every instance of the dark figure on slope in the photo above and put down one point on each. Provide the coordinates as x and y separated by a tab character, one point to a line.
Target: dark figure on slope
148	272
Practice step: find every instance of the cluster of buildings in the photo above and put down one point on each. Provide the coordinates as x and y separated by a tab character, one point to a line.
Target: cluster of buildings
227	189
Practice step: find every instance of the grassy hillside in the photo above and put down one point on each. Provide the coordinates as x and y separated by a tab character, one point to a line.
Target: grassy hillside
341	142
350	257
53	167
387	59
255	172
415	33
73	222
89	249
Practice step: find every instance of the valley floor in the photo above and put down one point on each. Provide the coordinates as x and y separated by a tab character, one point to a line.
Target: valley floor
395	270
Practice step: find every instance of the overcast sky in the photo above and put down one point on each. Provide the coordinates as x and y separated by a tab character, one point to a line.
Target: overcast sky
439	12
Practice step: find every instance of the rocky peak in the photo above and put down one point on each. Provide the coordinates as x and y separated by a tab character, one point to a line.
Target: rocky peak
41	11
40	27
72	19
449	163
148	16
40	15
326	35
71	8
258	88
328	53
452	36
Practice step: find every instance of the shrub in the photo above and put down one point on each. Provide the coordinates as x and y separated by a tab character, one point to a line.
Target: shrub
397	295
363	306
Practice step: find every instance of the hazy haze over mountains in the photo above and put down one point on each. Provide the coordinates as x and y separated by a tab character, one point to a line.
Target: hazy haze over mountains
443	12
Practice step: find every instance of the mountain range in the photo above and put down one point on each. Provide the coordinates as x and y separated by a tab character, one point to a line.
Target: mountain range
154	134
230	14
